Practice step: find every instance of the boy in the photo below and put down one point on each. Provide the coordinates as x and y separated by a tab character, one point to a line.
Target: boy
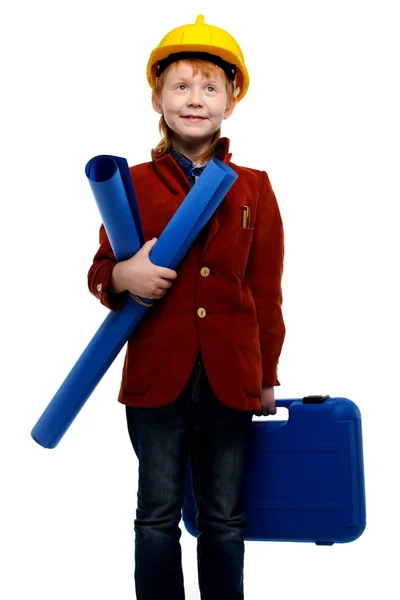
205	359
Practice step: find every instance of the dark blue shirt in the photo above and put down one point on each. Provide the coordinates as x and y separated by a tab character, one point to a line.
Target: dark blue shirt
191	171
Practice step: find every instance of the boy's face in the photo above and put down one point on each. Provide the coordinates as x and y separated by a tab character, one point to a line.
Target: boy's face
193	106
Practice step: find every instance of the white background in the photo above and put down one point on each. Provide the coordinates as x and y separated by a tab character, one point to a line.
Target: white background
322	118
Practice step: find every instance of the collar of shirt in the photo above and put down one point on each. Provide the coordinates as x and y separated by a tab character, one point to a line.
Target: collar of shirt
188	167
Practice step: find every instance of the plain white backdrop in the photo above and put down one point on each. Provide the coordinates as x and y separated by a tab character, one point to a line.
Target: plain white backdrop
322	118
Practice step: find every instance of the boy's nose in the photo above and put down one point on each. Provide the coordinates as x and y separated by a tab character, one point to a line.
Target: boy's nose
194	98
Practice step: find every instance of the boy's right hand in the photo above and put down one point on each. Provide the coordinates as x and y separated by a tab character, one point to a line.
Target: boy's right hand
139	276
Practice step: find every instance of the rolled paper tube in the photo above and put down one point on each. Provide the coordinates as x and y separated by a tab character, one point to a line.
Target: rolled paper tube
172	245
112	186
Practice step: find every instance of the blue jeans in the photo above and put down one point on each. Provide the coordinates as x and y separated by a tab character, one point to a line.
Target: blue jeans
215	437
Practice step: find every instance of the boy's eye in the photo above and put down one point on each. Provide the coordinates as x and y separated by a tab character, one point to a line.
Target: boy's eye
181	86
210	88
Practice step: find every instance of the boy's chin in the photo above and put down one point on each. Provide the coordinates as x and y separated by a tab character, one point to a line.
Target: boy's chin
195	137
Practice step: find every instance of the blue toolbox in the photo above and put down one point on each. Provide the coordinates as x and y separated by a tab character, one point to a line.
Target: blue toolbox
304	479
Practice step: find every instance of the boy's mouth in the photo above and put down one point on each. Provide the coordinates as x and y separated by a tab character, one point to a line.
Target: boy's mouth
193	117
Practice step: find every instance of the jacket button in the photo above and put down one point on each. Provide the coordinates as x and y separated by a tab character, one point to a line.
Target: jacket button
204	272
99	287
201	312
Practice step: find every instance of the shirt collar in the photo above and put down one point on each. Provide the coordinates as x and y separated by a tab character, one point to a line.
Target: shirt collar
165	164
182	160
191	171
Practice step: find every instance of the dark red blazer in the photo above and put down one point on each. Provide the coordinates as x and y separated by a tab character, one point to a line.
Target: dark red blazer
240	329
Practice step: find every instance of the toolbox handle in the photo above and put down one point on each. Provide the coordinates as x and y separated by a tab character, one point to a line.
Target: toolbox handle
283	403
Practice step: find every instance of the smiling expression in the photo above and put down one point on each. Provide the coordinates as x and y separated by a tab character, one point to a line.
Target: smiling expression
193	105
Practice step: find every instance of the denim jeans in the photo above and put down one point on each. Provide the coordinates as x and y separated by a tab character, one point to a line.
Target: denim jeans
215	437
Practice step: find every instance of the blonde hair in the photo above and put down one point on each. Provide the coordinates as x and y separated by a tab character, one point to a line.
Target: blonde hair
206	69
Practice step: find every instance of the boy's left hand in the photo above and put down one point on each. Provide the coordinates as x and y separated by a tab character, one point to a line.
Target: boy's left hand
268	406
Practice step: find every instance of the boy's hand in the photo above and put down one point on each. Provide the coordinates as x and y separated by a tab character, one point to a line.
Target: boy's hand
268	406
138	275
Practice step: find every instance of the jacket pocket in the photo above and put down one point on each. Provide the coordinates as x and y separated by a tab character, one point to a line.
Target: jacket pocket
243	245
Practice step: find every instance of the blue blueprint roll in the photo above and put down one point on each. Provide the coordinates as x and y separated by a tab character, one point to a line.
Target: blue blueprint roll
112	186
113	190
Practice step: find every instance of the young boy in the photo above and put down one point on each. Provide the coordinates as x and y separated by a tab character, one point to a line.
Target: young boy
204	359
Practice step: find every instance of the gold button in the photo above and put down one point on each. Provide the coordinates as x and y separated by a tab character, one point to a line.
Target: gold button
201	312
99	287
205	271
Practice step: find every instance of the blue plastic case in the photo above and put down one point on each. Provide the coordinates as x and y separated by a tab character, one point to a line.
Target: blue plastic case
304	480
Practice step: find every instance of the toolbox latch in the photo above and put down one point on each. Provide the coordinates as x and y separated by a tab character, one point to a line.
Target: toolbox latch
315	399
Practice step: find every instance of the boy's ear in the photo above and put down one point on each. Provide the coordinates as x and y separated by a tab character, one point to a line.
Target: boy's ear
229	109
156	102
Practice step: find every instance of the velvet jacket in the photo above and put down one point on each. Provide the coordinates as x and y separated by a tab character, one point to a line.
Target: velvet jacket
227	298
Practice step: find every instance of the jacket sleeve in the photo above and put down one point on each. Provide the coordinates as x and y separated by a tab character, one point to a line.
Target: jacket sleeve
265	270
99	275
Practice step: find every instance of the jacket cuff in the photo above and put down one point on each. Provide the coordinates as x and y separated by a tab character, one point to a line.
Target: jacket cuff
100	287
270	376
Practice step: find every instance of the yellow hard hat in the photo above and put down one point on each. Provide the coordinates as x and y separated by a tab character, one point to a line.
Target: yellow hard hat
205	40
